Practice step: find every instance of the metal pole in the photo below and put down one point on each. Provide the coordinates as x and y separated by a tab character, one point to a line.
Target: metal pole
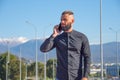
20	64
6	70
7	61
53	69
8	53
26	70
117	56
106	70
45	67
45	55
101	45
36	56
7	57
117	65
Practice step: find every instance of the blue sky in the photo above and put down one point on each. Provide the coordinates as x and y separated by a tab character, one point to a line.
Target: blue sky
44	14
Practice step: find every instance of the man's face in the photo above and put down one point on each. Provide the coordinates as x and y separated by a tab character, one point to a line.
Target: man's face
66	20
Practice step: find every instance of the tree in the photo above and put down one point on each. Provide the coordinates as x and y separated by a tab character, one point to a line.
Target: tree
3	61
50	68
41	70
31	70
14	70
13	67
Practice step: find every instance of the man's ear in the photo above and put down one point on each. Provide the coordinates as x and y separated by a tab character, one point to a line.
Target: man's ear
72	20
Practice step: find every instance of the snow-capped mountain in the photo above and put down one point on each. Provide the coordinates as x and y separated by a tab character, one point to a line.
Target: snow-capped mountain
28	51
6	43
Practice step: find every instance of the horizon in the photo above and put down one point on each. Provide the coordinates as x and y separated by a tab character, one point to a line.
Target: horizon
29	18
24	40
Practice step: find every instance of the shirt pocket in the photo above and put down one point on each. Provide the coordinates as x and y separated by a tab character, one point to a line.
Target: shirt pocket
75	46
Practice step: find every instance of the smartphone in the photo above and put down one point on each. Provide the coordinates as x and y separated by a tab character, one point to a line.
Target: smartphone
59	28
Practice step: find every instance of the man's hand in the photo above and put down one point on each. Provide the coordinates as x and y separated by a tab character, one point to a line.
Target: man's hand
84	78
56	31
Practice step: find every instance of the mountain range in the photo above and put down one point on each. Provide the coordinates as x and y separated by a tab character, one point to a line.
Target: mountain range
28	50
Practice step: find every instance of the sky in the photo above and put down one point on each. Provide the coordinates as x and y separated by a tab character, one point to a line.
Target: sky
36	18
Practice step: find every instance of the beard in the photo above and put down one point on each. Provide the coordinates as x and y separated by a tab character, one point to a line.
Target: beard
67	27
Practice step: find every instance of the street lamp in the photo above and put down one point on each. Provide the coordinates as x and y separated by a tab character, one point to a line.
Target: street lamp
53	68
20	64
26	70
45	66
35	28
27	63
116	32
101	45
45	59
7	61
7	58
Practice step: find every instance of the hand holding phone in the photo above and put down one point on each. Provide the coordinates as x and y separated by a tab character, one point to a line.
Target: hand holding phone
59	28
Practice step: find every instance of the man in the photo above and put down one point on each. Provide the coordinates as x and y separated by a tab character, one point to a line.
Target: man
72	47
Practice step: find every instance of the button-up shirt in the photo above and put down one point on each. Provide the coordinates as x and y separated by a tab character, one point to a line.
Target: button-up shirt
73	54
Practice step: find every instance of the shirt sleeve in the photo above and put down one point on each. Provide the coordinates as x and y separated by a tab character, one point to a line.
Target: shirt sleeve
47	45
87	57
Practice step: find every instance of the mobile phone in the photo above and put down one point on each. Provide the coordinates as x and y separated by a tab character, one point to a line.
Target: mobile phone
59	28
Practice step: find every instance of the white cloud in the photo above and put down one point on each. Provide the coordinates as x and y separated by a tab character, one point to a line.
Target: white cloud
22	39
14	39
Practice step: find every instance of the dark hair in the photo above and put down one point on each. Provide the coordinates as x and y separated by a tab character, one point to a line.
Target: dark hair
68	12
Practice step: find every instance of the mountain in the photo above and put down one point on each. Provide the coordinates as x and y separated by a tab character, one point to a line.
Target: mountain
28	51
109	52
8	43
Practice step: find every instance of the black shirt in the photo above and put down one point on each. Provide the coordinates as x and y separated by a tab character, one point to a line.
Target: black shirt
73	54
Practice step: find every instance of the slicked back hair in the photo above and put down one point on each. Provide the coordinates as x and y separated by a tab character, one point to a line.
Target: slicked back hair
68	12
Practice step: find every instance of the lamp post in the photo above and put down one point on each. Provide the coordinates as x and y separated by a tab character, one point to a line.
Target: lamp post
7	42
117	66
7	61
27	63
20	64
101	45
45	66
36	56
6	71
7	58
26	70
45	59
53	68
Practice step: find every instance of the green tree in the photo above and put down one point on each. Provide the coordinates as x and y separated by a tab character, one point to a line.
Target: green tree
50	68
41	70
31	69
3	60
13	67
